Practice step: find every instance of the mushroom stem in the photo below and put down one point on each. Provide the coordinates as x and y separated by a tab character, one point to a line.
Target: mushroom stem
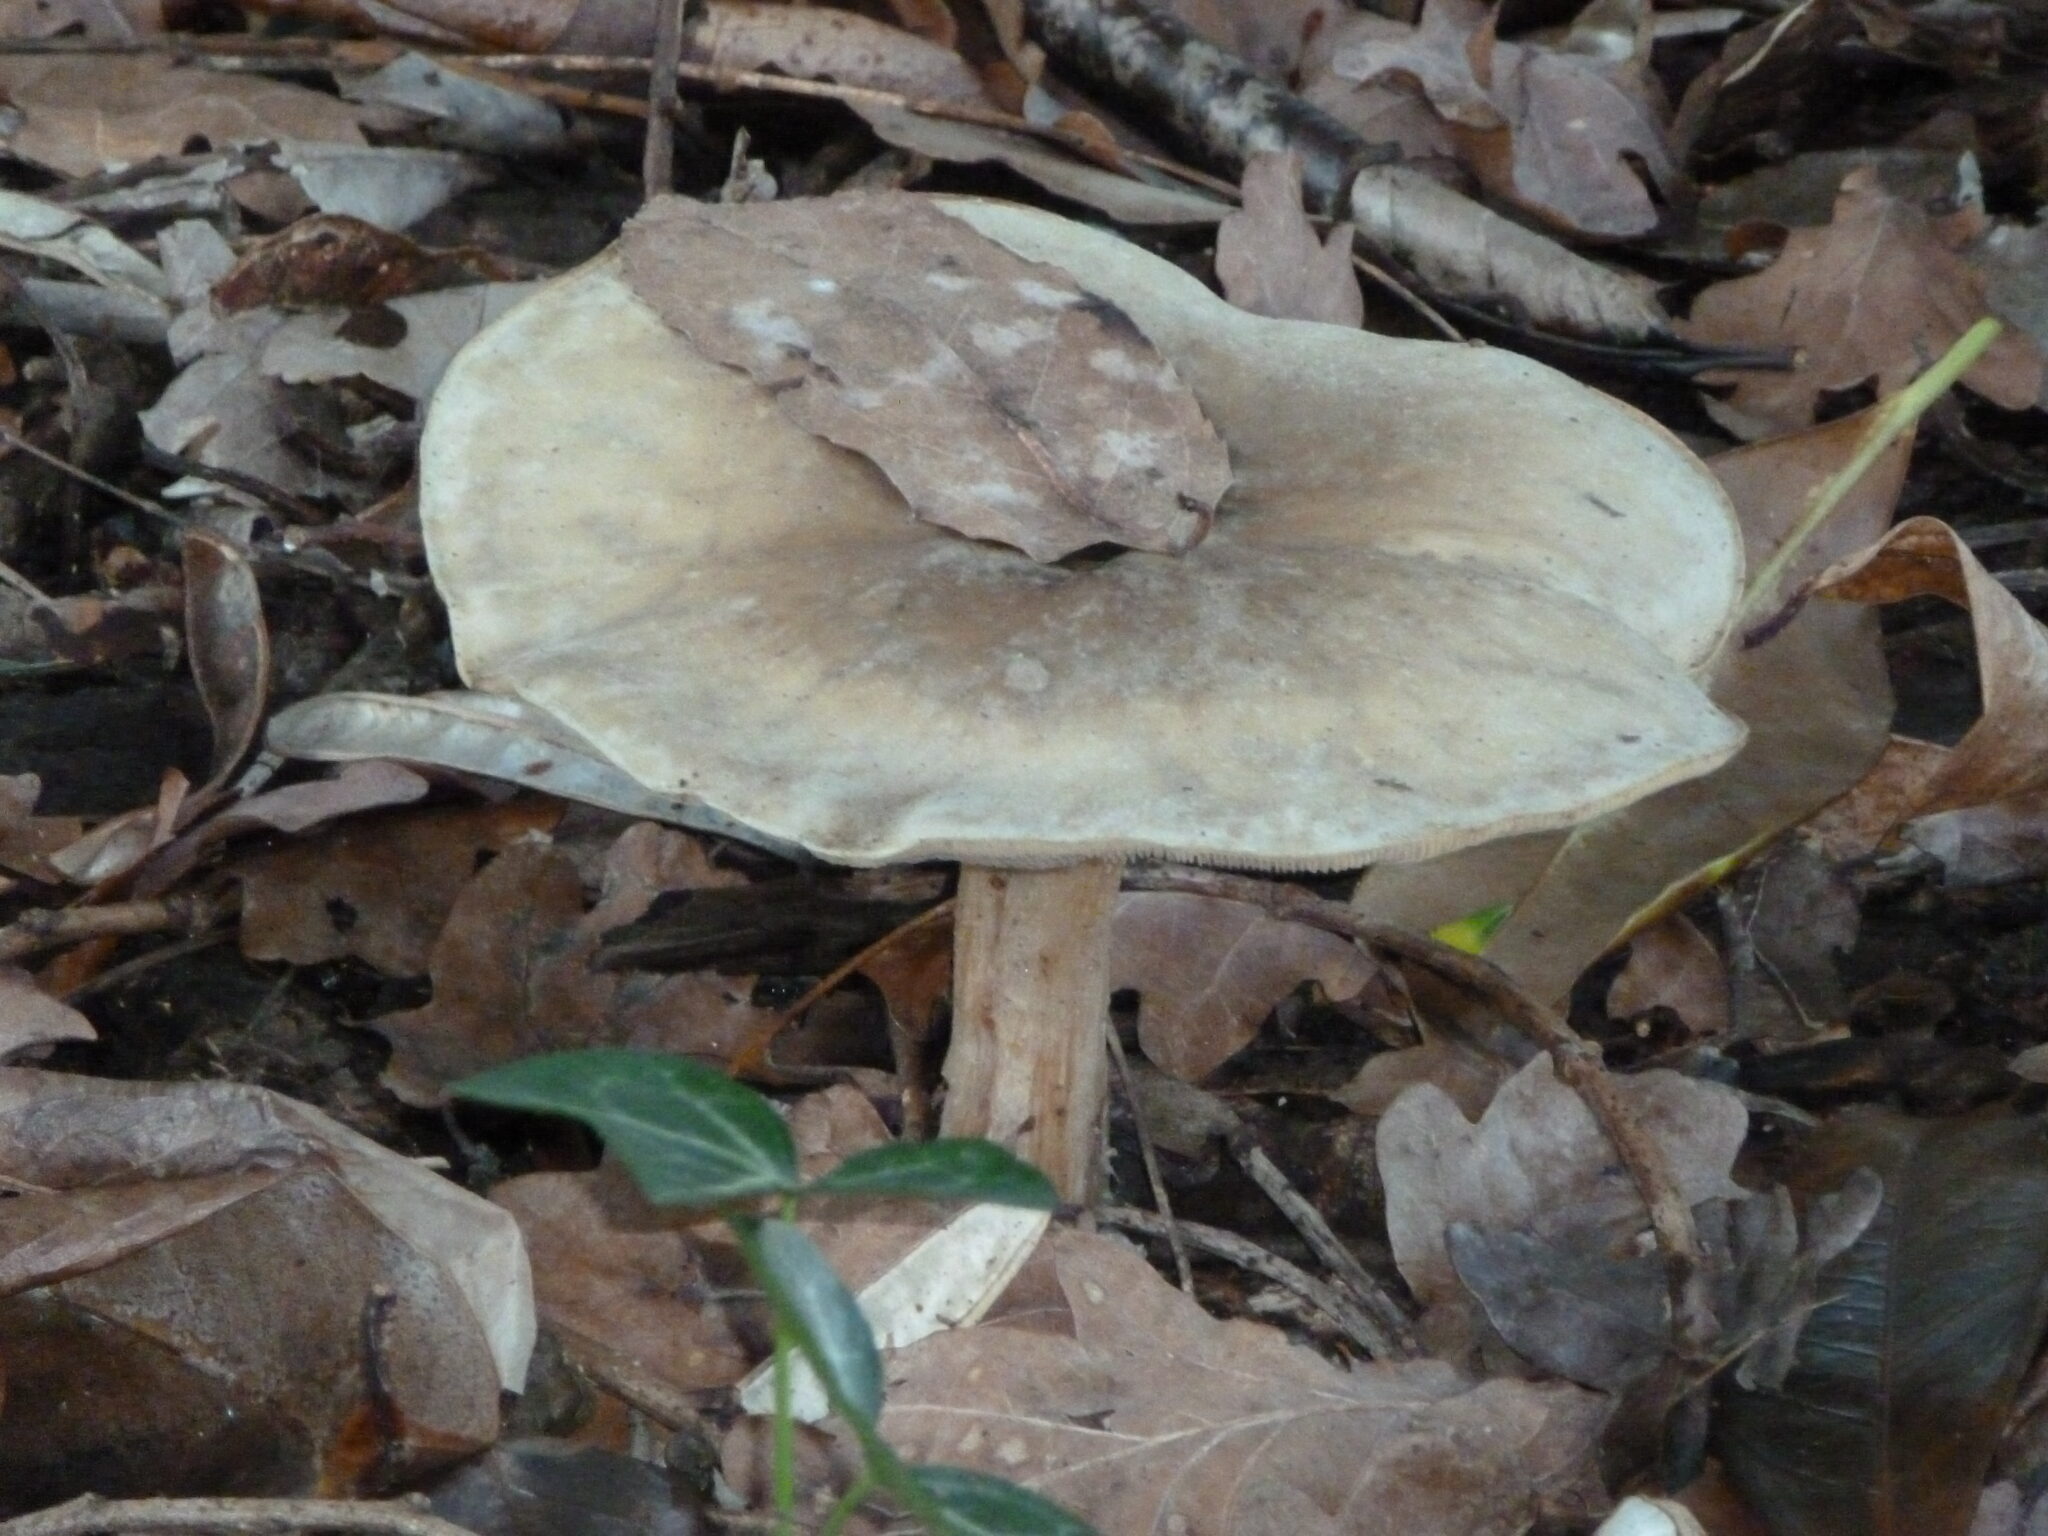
1028	1066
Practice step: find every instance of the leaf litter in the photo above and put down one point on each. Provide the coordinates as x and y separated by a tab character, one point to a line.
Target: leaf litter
254	212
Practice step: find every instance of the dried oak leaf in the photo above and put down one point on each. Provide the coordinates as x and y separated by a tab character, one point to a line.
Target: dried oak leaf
1269	260
1123	1400
513	969
1209	971
1568	133
1875	297
1001	400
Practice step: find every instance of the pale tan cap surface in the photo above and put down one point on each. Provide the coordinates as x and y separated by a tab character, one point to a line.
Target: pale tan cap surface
1452	595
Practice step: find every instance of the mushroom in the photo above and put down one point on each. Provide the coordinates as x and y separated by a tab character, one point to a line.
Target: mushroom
1452	595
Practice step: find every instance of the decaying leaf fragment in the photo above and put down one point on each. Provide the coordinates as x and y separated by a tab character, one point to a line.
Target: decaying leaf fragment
1269	260
1002	399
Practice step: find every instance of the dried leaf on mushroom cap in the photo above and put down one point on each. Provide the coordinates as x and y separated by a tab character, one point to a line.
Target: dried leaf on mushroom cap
1451	595
1001	399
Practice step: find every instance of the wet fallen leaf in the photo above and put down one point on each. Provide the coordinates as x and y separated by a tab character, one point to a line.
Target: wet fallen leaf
1119	1396
1873	298
376	887
1208	972
178	1214
1903	1377
1269	259
997	396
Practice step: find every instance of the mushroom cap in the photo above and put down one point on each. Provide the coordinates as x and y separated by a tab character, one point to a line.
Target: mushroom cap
1452	595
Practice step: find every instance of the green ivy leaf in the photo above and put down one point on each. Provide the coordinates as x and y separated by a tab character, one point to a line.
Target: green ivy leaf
687	1133
812	1303
975	1504
957	1169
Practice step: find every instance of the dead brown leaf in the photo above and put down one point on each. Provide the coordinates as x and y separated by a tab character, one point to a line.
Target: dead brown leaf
1873	298
514	976
30	1017
81	114
998	397
26	839
378	887
1121	1398
1857	824
1568	133
1673	965
1986	844
1209	971
229	645
333	261
1269	260
1538	1162
175	1216
629	1282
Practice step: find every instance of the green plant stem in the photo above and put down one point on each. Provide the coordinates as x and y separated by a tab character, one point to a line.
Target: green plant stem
849	1501
786	1344
1892	417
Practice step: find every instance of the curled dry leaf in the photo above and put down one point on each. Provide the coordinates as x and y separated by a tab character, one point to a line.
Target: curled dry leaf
490	734
1874	297
999	397
2006	751
1121	1397
229	646
1270	261
1461	248
52	233
1208	971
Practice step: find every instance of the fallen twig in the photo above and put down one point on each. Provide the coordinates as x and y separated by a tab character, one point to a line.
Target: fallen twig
1161	1200
1351	1321
89	1514
1328	1247
53	928
1577	1061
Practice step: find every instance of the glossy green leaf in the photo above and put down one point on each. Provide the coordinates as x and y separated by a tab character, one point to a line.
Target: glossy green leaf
957	1169
812	1303
975	1504
687	1133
